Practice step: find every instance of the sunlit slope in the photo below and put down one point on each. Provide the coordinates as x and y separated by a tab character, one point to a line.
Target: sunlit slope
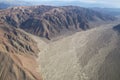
87	55
17	55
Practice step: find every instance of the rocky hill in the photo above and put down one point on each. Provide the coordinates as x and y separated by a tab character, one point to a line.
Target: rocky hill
48	21
17	55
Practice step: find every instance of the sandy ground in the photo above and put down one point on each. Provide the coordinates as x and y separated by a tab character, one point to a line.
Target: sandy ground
80	56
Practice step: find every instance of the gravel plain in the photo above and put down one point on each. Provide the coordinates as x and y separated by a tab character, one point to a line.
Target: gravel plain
87	55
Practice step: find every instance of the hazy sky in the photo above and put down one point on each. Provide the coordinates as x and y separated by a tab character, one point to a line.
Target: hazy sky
109	3
101	3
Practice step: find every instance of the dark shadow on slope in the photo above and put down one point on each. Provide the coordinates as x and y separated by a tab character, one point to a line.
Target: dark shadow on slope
110	69
117	28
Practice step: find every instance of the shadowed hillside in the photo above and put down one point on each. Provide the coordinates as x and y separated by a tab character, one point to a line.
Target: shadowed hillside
117	27
49	21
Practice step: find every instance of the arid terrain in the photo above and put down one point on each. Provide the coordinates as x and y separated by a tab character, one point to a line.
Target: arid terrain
18	53
58	43
88	55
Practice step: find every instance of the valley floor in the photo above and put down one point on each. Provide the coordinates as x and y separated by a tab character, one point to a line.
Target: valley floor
84	55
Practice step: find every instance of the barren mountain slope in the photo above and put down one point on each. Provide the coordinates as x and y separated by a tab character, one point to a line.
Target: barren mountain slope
88	55
17	55
82	56
49	21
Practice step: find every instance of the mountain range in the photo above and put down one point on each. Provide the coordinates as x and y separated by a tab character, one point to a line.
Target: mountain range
49	21
58	43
